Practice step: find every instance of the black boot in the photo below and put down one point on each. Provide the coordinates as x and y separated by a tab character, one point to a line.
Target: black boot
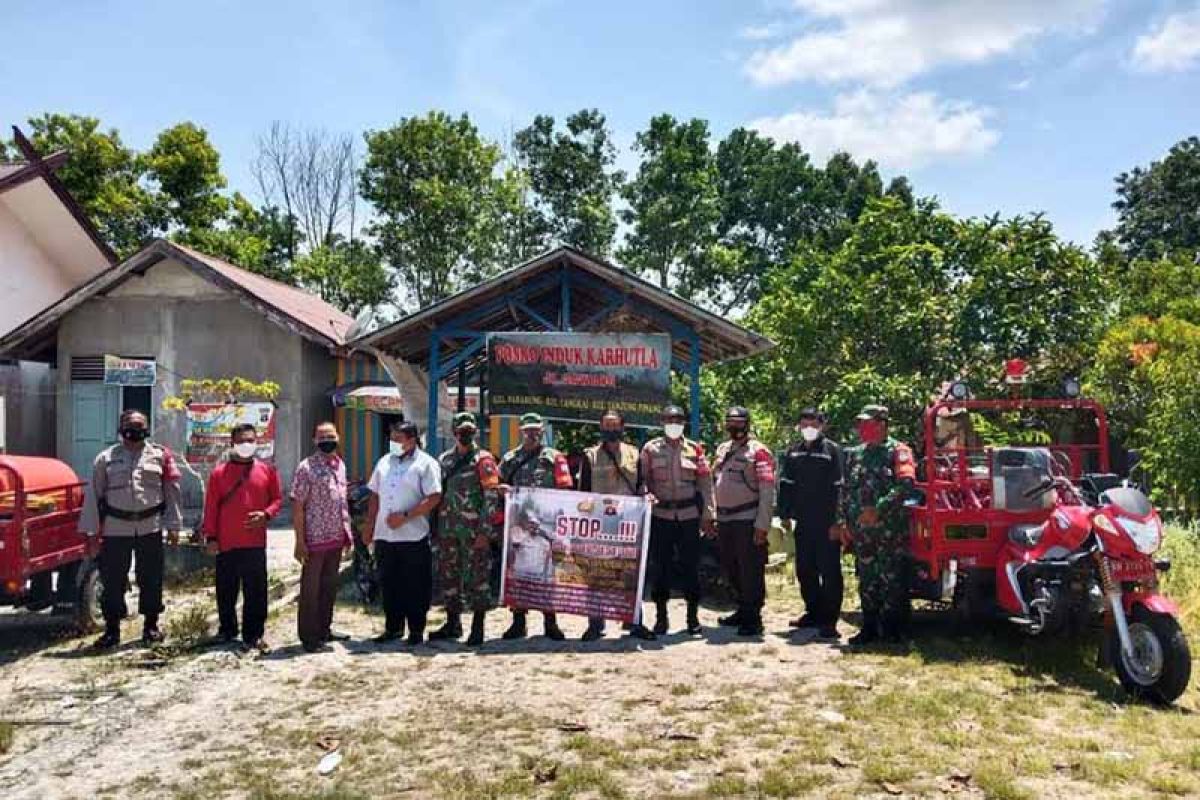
732	620
869	632
895	630
476	637
150	631
693	619
517	629
661	623
110	639
595	630
751	625
640	631
551	629
451	629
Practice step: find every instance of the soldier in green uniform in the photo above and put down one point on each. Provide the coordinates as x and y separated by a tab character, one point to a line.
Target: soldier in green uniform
466	530
534	465
879	478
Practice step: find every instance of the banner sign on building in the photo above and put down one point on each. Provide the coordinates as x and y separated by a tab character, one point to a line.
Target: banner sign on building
120	371
577	376
575	553
209	424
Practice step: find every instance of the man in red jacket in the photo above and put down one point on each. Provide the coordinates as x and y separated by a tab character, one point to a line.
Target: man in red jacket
243	495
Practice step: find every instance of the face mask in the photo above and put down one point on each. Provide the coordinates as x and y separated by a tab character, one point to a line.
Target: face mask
466	437
871	432
135	434
396	448
611	436
737	433
245	450
327	446
810	434
673	430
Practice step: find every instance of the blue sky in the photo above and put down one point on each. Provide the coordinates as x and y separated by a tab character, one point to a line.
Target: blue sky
1012	106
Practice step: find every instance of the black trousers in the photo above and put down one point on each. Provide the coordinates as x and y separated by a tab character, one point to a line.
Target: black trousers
406	583
744	564
671	540
819	571
243	569
145	552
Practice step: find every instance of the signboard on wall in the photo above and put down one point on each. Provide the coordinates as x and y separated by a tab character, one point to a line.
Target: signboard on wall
578	376
209	424
120	371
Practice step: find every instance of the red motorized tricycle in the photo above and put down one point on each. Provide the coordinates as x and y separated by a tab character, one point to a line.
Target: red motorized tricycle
40	503
1040	531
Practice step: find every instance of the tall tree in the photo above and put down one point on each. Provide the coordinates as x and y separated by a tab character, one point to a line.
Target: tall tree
674	204
310	174
433	182
347	274
1158	207
573	178
187	170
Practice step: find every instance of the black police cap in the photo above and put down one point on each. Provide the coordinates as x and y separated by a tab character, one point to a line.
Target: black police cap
672	411
738	412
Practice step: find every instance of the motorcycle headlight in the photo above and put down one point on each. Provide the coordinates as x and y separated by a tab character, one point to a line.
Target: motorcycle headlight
1146	536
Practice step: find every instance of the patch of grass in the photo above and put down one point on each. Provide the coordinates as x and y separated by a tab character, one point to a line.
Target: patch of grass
998	783
727	786
787	782
1106	770
190	627
681	690
6	737
882	769
1173	783
586	779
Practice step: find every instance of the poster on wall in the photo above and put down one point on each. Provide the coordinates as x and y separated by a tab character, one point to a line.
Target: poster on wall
575	553
578	376
120	371
209	424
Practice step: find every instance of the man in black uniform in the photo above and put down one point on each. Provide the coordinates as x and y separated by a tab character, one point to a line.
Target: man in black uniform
810	483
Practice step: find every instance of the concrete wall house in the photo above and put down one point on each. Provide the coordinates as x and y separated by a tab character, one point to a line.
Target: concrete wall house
47	248
195	316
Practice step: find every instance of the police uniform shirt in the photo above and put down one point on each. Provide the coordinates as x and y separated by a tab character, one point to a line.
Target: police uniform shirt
133	480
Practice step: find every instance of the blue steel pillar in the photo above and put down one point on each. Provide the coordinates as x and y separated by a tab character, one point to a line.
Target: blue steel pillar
694	374
435	377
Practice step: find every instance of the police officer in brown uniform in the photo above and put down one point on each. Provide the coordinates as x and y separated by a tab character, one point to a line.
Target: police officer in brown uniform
135	495
745	494
677	476
611	467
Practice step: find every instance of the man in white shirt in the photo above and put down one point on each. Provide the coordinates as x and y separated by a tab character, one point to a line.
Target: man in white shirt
405	487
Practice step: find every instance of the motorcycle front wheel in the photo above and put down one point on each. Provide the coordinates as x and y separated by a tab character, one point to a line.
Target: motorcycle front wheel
1161	664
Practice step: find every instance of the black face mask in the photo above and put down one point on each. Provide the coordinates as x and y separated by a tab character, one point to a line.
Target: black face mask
611	436
465	438
737	433
135	434
327	446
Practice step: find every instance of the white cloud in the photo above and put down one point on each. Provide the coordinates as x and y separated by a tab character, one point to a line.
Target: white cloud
1021	85
758	33
899	132
1173	46
888	42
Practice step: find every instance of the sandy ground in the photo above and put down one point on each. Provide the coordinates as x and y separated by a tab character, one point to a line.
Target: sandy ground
680	717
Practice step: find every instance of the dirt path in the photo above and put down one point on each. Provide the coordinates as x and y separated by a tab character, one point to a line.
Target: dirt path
617	718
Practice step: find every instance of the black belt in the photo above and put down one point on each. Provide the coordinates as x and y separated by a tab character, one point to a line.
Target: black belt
672	505
727	510
131	516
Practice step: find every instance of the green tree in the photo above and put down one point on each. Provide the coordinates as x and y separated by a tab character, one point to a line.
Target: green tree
1158	207
252	238
187	170
573	179
674	204
434	185
347	274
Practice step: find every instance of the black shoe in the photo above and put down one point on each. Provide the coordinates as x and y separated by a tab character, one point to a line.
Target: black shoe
868	634
517	629
337	636
552	631
595	630
415	639
732	620
640	631
108	641
827	633
388	636
805	621
258	645
452	629
476	637
751	627
662	622
226	637
693	619
152	635
322	647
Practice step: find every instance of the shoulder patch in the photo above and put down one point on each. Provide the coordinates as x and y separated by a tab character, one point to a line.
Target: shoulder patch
764	465
485	467
562	472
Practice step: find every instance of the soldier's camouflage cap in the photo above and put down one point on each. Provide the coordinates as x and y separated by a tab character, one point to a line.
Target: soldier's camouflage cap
873	412
464	419
532	420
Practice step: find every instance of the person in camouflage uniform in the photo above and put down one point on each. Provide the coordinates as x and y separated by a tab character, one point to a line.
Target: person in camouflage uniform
879	478
466	530
534	465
